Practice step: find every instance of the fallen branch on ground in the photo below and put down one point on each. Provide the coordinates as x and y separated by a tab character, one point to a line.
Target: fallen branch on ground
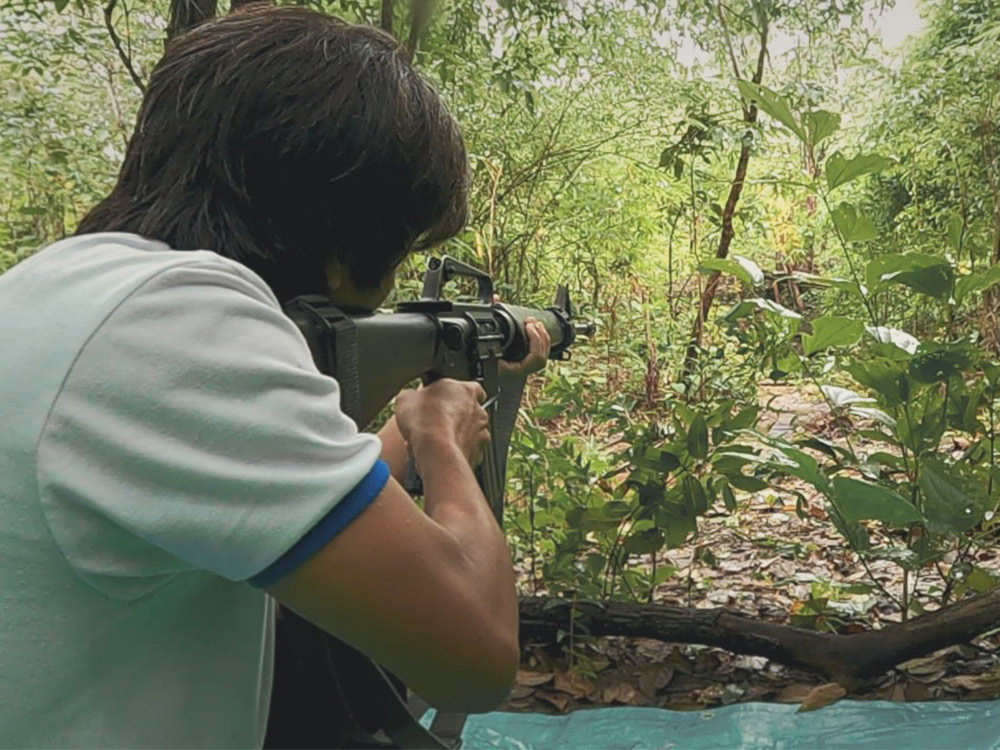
849	660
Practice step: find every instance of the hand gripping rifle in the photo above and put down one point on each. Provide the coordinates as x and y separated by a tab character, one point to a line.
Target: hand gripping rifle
326	694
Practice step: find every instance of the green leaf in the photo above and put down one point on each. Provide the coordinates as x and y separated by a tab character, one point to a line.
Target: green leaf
927	274
863	501
743	308
771	102
980	580
657	460
747	483
645	542
853	227
695	495
595	564
663	572
742	268
877	415
743	419
840	171
61	5
841	397
953	503
894	336
830	331
729	498
975	283
955	232
937	363
845	285
697	438
820	125
793	462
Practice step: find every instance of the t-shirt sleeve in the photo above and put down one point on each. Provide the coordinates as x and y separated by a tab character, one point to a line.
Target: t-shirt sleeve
194	432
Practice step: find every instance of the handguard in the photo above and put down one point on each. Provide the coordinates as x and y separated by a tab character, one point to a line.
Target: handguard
325	693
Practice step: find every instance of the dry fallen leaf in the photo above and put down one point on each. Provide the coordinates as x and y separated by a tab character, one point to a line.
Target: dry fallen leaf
897	694
973	682
520	691
559	700
655	677
576	685
822	695
533	679
794	693
623	692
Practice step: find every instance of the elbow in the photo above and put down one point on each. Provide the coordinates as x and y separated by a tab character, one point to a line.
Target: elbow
486	685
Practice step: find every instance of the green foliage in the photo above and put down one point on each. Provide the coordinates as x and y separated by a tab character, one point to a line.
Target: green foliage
603	160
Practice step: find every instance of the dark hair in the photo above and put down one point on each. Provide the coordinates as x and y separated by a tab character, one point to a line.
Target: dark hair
281	137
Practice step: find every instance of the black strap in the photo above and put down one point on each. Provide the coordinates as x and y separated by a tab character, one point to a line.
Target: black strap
328	695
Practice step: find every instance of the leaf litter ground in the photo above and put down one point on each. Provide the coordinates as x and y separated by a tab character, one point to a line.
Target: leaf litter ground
766	561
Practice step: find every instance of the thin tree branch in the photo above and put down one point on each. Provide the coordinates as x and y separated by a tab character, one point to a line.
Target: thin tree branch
386	20
418	21
126	59
729	41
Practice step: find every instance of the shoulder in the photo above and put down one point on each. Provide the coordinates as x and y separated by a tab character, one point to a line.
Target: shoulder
121	265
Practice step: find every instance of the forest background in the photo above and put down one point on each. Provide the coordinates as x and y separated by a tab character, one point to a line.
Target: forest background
788	236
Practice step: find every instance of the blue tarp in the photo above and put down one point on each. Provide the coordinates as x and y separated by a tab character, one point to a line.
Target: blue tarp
856	725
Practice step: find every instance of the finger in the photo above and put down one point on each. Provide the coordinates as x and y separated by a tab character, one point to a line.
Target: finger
478	391
544	341
496	298
535	340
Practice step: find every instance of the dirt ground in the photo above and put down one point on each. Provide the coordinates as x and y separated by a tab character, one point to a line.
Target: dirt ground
766	560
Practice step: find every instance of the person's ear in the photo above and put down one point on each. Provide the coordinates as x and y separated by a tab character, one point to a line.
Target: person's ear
335	273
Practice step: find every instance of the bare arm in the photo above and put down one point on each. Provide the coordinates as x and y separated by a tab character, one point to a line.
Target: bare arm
428	595
395	451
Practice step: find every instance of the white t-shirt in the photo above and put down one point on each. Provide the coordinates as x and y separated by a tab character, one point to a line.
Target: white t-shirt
167	447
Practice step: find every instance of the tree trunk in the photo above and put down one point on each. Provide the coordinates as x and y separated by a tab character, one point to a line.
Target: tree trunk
729	211
850	660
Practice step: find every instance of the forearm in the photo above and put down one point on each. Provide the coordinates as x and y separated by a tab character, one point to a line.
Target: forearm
394	449
454	500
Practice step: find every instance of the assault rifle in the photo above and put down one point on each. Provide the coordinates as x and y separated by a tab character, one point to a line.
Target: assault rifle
326	694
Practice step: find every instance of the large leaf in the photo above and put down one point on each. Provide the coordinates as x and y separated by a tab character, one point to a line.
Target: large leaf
645	542
975	283
937	363
771	102
956	232
864	501
927	274
841	397
820	125
788	459
894	336
886	378
853	227
697	438
845	285
840	170
953	503
744	308
831	330
742	268
877	415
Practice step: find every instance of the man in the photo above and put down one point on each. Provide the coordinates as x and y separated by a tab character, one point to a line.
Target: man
171	456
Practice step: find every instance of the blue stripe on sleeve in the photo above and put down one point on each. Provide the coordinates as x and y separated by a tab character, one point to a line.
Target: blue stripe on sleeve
329	526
